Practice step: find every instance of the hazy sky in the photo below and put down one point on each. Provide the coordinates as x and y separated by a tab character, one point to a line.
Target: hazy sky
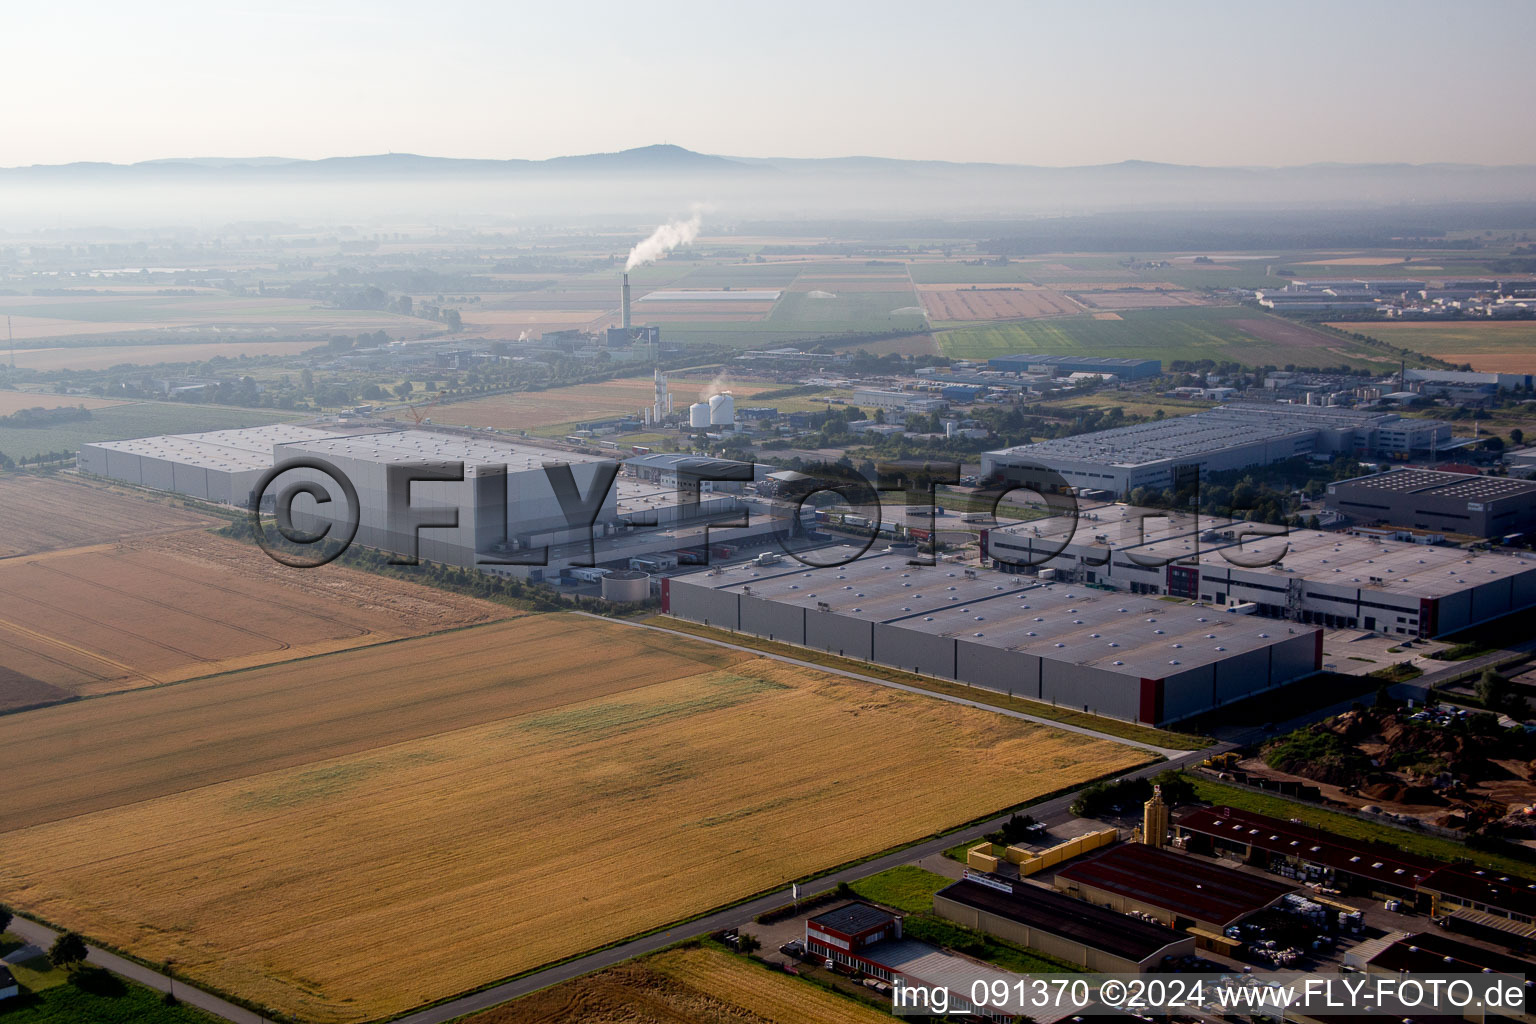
1043	83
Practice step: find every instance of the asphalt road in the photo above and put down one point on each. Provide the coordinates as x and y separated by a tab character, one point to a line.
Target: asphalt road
41	936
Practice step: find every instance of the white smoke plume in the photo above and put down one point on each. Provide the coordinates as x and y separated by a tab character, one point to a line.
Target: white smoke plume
522	335
664	239
721	382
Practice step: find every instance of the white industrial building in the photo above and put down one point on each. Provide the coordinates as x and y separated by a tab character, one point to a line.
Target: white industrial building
506	504
898	401
1230	437
1306	576
221	465
1132	658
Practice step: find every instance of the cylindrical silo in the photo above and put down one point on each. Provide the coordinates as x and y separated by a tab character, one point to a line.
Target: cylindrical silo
698	415
722	410
626	585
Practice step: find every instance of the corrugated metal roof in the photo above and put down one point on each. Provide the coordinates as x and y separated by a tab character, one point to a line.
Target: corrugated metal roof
1178	883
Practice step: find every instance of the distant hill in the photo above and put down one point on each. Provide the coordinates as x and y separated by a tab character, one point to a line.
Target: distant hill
646	160
661	180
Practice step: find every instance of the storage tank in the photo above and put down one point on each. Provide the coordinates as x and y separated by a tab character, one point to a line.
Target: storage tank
626	585
698	415
722	410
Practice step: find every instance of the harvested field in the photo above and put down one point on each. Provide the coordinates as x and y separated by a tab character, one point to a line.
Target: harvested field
510	324
684	986
994	302
907	345
1139	298
531	409
231	726
45	513
1490	346
1189	333
79	315
1108	316
102	357
98	619
500	830
15	401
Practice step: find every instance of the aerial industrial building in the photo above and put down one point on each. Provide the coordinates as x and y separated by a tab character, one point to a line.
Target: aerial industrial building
1307	576
507	508
1069	929
1423	499
1306	853
1136	659
1059	365
898	401
1164	454
221	465
1178	890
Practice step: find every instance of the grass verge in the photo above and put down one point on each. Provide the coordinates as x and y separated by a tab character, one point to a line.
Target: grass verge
907	888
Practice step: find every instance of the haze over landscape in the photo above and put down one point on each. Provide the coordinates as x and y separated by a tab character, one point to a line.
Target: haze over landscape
683	513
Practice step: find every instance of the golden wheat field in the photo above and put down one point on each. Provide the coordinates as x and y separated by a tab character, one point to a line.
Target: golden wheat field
597	781
43	513
684	986
176	606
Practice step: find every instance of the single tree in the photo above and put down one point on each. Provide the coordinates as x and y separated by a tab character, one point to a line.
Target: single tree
67	950
748	943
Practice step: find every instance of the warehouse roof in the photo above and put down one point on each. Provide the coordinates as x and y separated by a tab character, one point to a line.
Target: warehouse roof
1435	953
1178	883
1440	484
705	467
1060	914
412	446
853	919
1146	443
1202	433
928	965
1510	894
1132	635
1375	861
1332	559
235	450
1368	563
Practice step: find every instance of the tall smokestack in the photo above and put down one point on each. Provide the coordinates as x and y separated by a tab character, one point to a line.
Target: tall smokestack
624	314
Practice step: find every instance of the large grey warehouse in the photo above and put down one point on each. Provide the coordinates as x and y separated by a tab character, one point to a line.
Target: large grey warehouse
222	465
1335	580
1229	437
507	507
1426	499
1132	658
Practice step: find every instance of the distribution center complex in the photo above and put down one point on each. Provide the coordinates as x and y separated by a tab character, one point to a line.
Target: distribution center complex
1309	576
1426	499
1155	455
1136	659
506	505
